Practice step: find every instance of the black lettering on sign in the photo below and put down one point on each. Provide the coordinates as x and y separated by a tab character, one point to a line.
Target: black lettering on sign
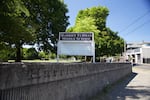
75	36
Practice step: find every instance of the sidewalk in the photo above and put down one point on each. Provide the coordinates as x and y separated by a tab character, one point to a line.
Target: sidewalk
136	87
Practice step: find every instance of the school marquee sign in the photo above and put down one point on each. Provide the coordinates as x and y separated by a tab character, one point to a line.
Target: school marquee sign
81	44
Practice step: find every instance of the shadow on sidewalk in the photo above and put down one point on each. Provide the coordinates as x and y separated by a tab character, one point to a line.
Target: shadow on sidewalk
120	91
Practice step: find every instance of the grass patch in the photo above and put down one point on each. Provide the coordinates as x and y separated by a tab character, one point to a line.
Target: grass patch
51	60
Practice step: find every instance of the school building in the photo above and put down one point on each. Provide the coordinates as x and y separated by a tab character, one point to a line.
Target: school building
138	53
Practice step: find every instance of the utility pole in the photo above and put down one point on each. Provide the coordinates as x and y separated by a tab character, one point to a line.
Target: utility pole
125	46
124	49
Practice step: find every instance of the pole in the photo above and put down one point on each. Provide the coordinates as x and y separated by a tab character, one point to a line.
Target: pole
124	49
93	51
58	52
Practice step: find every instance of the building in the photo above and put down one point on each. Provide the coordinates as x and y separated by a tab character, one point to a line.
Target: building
138	53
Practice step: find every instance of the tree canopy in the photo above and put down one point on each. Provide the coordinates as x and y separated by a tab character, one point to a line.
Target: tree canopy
50	18
107	42
13	29
31	22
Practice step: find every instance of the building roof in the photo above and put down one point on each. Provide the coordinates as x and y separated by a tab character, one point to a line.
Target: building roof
137	44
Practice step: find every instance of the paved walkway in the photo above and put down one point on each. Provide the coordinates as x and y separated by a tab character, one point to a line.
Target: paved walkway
136	87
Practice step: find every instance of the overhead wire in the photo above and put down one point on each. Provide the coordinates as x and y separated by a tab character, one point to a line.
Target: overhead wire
138	27
134	22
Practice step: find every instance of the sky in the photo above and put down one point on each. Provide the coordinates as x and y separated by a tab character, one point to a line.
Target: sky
130	18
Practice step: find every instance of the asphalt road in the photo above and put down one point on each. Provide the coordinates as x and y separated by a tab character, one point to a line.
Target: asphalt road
144	66
135	87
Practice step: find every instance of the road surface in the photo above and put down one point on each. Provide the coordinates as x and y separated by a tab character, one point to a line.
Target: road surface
135	87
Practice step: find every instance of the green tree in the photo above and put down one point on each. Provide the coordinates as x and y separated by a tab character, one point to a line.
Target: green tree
50	18
41	54
85	25
107	42
4	51
32	21
30	53
13	27
44	55
52	55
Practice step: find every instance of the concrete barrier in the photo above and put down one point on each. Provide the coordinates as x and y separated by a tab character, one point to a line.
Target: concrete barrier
57	81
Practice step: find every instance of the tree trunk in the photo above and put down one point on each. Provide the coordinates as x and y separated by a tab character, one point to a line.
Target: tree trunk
18	54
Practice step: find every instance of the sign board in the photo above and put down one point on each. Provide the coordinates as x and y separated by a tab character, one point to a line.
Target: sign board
76	36
81	44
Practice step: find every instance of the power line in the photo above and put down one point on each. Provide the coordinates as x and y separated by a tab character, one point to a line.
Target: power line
138	27
135	21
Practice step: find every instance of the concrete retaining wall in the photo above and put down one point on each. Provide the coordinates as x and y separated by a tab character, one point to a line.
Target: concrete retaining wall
62	81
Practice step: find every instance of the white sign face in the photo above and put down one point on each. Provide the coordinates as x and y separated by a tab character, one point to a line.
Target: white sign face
76	48
76	44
